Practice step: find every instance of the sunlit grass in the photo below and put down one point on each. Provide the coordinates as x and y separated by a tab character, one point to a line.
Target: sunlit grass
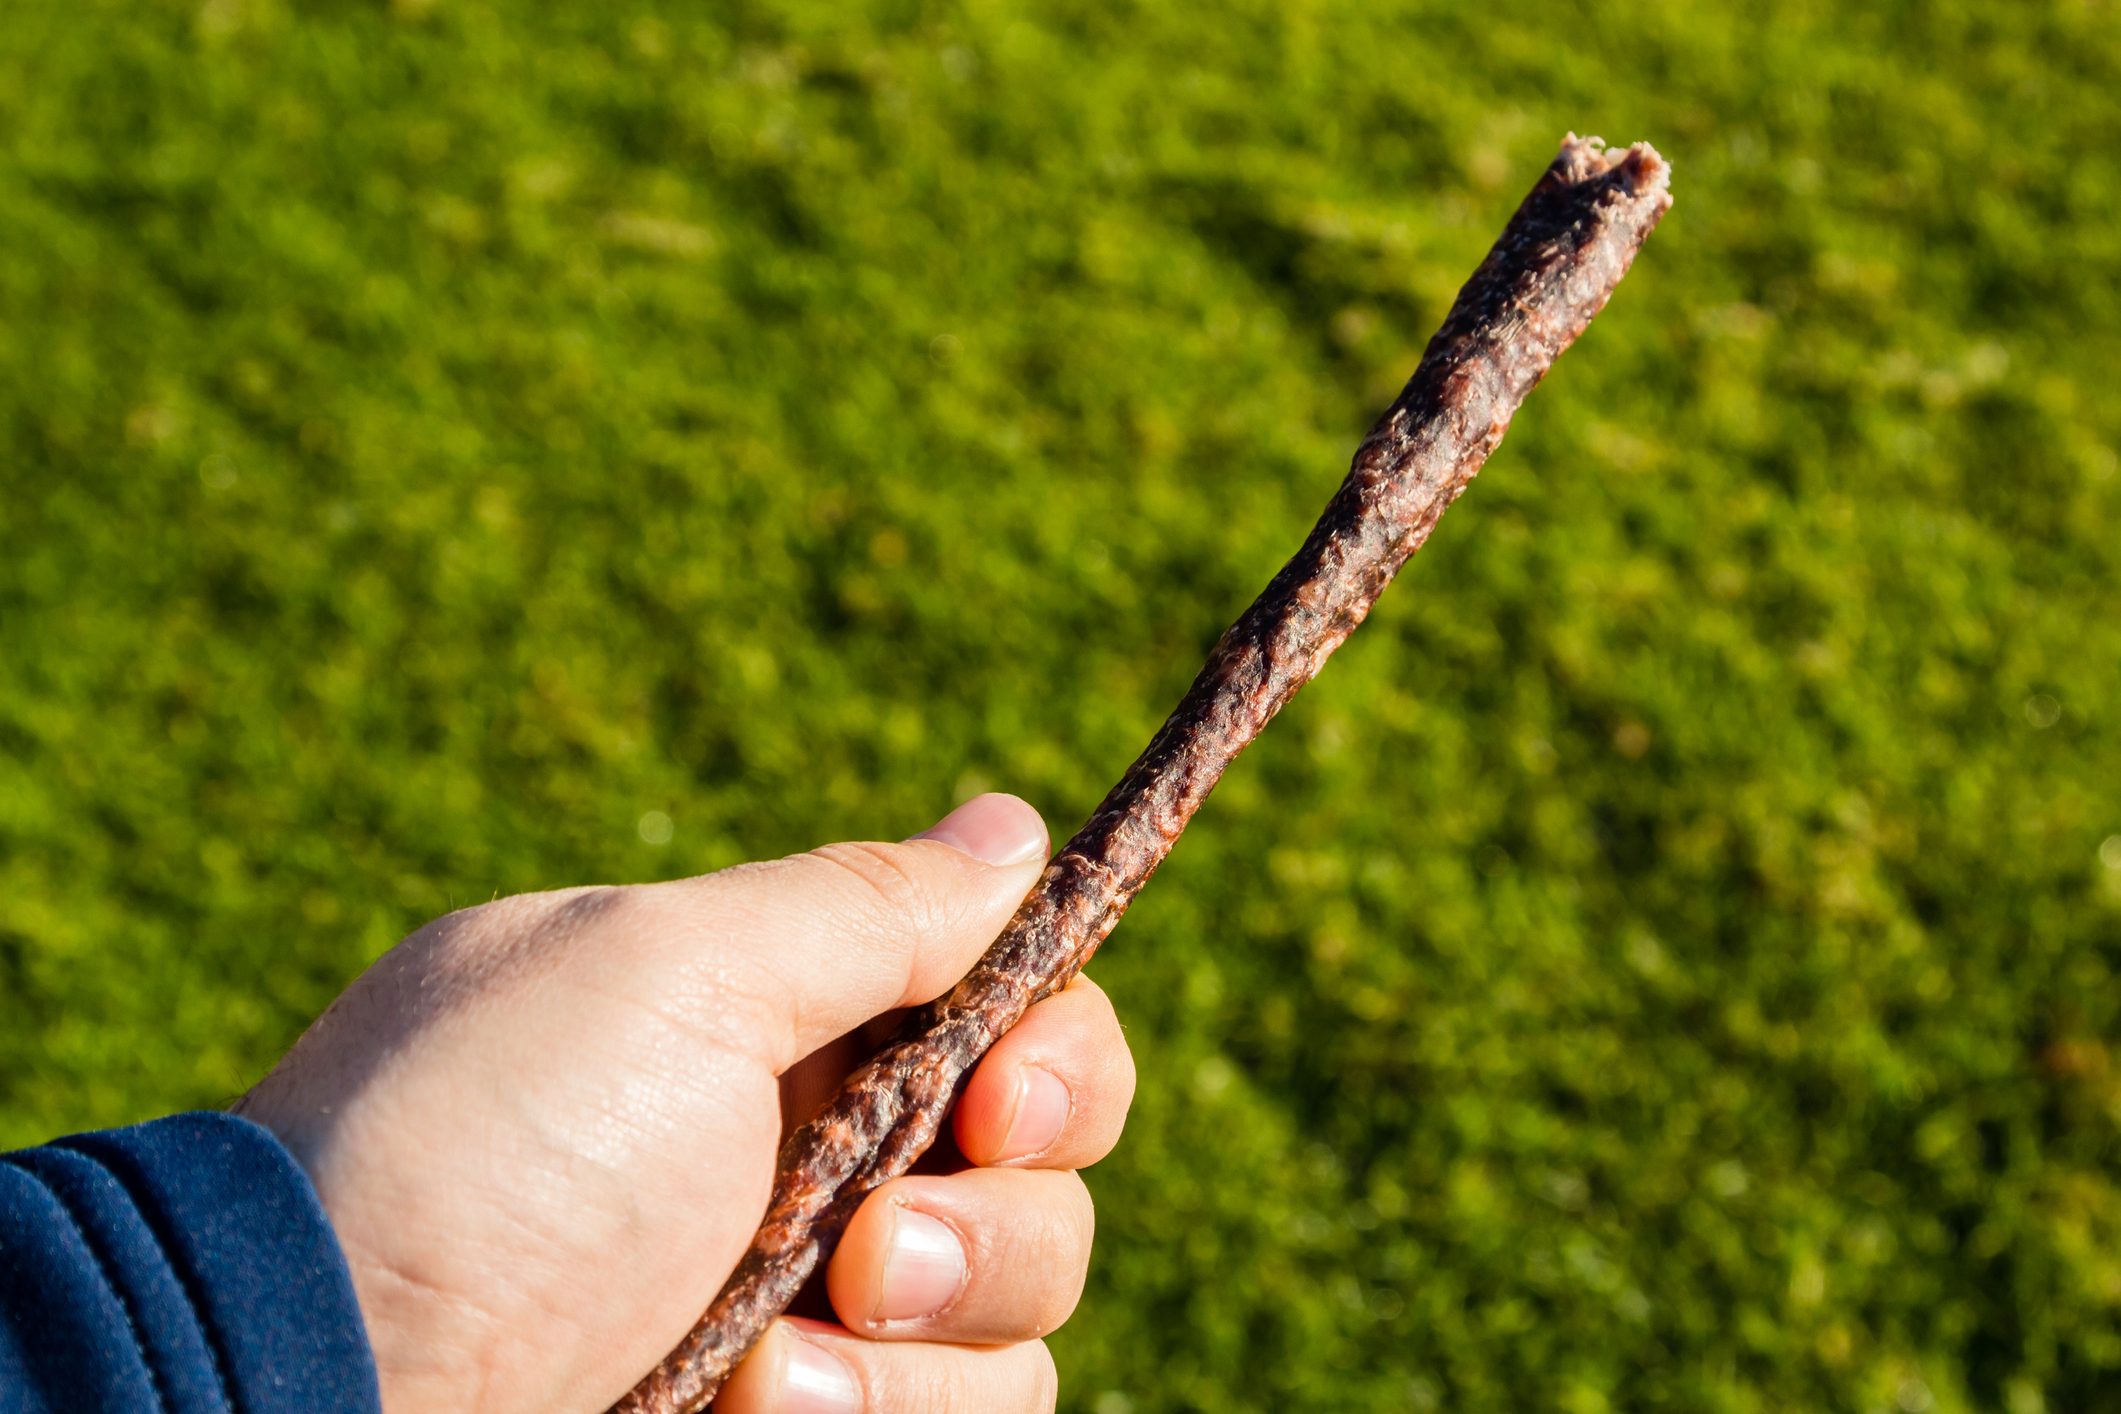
1665	963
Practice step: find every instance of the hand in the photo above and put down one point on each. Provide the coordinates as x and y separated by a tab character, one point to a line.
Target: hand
545	1128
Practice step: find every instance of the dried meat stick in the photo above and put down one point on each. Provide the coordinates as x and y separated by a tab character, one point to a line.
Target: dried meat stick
1554	267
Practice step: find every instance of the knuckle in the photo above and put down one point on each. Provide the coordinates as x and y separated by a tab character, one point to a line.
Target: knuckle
496	943
879	875
1068	1230
572	914
1013	1377
599	917
1107	1060
1074	1210
900	1381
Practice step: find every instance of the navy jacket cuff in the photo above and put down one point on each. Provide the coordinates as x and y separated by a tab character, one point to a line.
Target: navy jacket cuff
182	1265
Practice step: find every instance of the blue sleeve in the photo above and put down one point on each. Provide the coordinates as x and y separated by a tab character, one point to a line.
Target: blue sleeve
182	1265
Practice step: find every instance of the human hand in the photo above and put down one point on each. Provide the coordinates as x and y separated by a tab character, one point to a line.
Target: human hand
544	1129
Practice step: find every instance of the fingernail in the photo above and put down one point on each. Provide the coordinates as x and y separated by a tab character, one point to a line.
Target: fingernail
818	1382
923	1271
999	829
1042	1102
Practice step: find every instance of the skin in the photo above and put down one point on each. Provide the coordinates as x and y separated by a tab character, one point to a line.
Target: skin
545	1128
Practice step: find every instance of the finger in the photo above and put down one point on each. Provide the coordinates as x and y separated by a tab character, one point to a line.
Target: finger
1054	1091
983	1257
808	1367
833	937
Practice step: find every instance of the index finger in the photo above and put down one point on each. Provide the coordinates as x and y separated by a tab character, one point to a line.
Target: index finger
1054	1091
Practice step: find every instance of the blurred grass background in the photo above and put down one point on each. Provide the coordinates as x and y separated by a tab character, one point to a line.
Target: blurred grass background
1666	963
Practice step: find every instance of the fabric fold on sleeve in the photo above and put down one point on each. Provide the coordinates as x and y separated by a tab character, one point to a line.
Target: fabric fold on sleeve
180	1265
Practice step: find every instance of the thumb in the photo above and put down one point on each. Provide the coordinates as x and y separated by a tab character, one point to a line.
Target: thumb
829	939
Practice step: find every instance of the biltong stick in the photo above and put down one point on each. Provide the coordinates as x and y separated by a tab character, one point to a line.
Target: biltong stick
1554	267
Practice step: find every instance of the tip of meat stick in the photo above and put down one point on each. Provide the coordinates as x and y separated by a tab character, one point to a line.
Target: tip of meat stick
1639	166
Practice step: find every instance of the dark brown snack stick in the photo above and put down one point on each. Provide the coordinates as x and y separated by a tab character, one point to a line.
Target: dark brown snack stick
1554	267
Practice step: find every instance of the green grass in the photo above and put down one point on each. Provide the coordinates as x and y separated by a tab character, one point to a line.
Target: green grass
1666	963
